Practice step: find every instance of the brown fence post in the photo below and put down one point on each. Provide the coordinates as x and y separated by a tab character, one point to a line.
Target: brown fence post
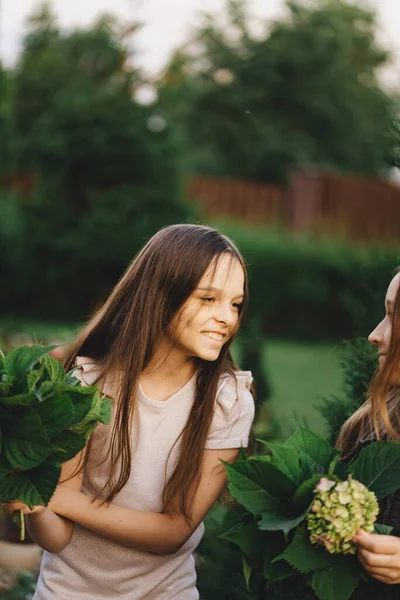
305	195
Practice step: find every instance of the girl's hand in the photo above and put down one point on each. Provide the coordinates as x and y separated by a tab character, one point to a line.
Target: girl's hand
15	505
379	555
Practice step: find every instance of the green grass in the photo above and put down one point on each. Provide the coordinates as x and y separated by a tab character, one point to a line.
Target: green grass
299	374
15	331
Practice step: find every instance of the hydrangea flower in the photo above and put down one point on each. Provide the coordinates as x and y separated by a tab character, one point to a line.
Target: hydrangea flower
339	510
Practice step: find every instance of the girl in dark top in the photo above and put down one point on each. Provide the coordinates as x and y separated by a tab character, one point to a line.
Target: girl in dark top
378	418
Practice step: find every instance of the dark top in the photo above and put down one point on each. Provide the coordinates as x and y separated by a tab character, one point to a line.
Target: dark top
389	514
372	589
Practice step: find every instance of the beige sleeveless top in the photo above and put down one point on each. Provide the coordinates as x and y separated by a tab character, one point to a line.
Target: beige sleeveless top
92	567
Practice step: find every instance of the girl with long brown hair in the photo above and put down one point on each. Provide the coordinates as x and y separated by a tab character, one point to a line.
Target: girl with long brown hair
125	526
378	418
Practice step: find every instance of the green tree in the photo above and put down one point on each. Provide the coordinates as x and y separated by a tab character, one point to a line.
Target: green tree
107	178
304	93
6	125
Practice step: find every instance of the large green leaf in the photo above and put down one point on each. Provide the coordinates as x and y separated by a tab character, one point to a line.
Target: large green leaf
35	487
82	398
6	384
250	540
235	517
5	467
312	444
338	580
56	413
68	445
275	570
287	460
378	467
305	494
20	361
54	369
270	522
92	415
305	557
34	376
25	443
18	400
259	486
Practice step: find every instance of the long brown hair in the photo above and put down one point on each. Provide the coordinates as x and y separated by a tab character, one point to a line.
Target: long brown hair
378	417
124	333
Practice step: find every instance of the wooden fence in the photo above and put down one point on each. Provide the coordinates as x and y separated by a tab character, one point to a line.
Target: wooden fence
247	201
317	203
355	208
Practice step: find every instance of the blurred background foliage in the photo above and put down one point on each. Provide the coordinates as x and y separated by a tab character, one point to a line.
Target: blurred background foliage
88	172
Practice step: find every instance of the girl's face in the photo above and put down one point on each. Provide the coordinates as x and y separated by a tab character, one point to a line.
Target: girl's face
382	334
211	315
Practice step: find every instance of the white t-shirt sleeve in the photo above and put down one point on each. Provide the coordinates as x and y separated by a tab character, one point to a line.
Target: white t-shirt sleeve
233	413
86	371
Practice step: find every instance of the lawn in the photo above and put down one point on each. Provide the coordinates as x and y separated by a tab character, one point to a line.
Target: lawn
300	374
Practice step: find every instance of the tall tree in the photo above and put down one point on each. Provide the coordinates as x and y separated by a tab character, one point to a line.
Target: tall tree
304	93
107	178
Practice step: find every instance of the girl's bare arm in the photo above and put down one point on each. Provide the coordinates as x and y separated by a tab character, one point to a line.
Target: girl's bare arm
160	533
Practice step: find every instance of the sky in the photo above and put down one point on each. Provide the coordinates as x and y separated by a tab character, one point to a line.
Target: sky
167	23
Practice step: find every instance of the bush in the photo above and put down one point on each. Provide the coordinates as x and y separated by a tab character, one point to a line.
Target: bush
306	289
359	364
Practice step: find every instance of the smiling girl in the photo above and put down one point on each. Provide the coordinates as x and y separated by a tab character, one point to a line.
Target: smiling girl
378	418
125	525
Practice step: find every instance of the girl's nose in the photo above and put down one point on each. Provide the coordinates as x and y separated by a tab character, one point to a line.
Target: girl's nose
375	337
226	314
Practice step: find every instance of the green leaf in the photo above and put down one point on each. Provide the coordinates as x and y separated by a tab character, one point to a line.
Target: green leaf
93	414
338	580
34	376
246	572
305	494
378	467
235	517
303	556
54	369
270	522
26	444
382	529
20	361
68	445
277	571
287	460
315	446
104	415
70	379
82	401
35	487
341	470
5	467
56	413
249	538
259	486
242	454
18	400
6	384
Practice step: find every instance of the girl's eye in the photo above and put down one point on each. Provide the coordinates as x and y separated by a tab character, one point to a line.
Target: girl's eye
237	306
208	300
